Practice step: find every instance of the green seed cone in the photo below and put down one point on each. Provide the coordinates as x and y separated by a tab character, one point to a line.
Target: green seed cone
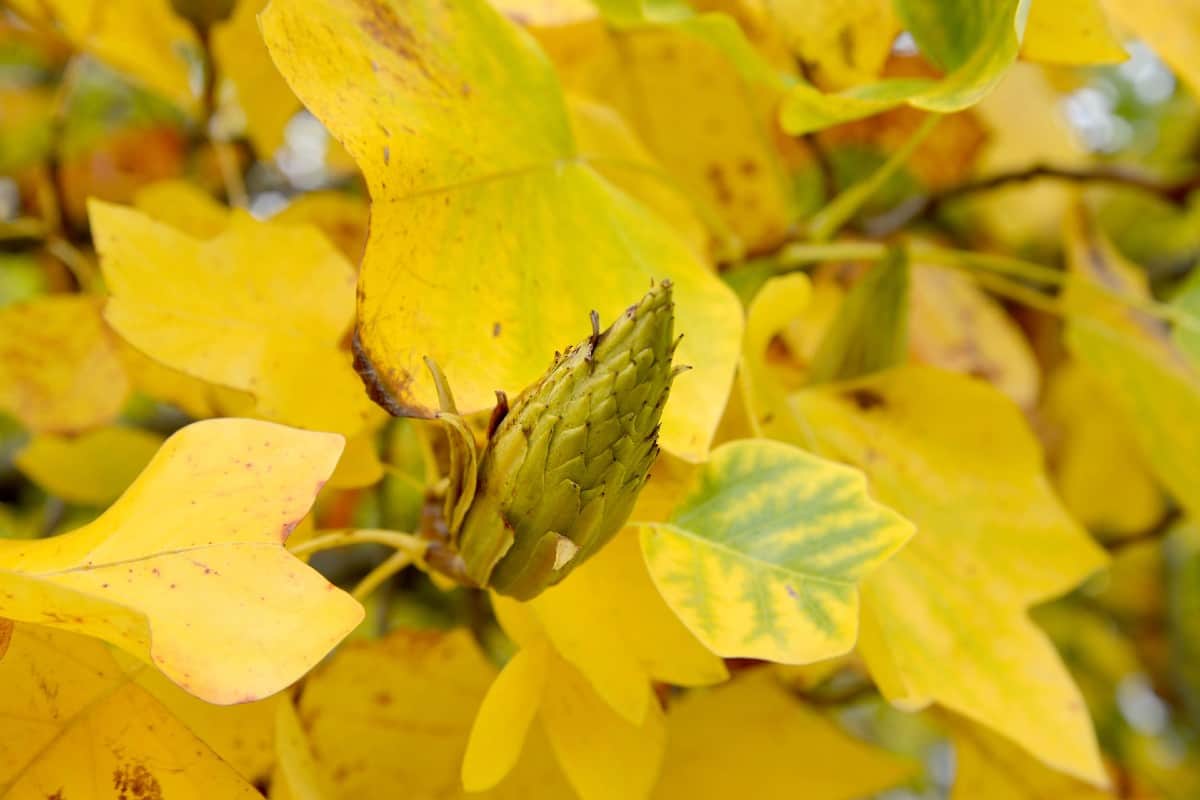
561	472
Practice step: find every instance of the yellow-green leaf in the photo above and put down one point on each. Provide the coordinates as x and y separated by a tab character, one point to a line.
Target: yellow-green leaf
297	776
763	556
59	367
975	43
408	109
187	569
751	738
1154	384
92	468
261	308
76	718
503	720
945	620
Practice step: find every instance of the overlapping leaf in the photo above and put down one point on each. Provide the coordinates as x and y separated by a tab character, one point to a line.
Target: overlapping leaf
93	468
1132	355
766	745
261	308
762	557
187	570
945	620
402	86
59	365
77	719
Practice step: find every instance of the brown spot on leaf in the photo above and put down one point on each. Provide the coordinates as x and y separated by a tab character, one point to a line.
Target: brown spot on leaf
135	782
385	394
865	399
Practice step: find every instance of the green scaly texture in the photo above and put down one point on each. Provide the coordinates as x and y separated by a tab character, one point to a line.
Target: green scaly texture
561	472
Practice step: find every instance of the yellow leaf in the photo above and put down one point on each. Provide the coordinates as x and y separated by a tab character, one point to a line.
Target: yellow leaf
498	733
779	302
604	136
763	557
1098	468
954	325
1145	374
77	719
6	629
359	465
261	308
1070	32
195	397
945	620
541	216
264	96
750	738
989	768
59	369
711	127
206	519
92	468
604	756
845	41
340	216
243	735
140	38
1170	27
297	774
390	718
615	594
185	206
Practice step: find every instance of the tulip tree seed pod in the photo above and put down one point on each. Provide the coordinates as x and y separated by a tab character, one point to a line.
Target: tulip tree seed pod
562	469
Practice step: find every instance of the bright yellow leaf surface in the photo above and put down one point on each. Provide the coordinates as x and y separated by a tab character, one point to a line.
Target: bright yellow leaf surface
261	308
187	569
92	468
503	720
780	301
1133	356
390	718
945	620
341	217
262	93
1070	32
955	325
612	625
359	464
845	41
59	367
1170	27
763	556
710	127
1098	468
78	719
604	756
185	206
378	75
750	738
989	768
143	39
297	776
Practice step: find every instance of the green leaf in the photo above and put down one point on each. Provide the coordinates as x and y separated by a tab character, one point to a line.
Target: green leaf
870	332
762	557
974	42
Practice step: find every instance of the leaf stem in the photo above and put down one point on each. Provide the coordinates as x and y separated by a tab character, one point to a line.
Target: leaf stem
413	546
386	569
830	219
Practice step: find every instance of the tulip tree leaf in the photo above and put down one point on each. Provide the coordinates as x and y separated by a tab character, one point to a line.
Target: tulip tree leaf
473	226
78	717
946	619
1152	381
187	569
762	557
975	43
